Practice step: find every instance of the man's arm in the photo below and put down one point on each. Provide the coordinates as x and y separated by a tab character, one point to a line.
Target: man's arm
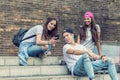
89	52
76	52
104	58
93	55
80	52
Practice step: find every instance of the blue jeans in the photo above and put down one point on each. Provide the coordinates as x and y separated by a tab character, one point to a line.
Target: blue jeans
27	49
86	67
49	48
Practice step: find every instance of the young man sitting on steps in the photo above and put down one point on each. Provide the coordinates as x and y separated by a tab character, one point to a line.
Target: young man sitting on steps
77	58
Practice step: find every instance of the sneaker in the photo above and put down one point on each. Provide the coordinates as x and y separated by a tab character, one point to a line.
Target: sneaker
46	54
21	65
62	62
49	53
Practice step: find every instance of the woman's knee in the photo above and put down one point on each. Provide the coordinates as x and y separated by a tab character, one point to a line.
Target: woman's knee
45	47
34	49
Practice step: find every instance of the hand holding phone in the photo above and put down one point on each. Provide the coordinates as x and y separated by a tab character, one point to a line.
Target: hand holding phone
56	37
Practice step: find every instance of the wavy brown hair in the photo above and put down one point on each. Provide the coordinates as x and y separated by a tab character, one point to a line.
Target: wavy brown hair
94	33
49	34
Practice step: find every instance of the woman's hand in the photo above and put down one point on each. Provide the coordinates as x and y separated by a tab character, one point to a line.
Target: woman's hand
53	40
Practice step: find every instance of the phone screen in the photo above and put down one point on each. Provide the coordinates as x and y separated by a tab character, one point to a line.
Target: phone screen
56	37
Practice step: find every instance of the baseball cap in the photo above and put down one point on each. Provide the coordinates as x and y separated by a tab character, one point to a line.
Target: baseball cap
88	14
69	30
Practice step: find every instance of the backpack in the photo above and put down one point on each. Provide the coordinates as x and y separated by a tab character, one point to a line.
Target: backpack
18	38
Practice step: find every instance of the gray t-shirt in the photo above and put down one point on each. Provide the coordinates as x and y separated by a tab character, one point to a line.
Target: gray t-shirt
88	43
38	29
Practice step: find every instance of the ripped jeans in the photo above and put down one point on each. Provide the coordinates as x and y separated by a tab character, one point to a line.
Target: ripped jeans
86	67
27	49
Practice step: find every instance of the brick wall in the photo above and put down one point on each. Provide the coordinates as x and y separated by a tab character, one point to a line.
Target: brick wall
15	14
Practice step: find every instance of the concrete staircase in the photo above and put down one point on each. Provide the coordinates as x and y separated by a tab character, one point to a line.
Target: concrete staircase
48	68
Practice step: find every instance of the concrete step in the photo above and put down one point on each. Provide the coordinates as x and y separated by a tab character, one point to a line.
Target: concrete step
14	60
7	71
60	77
15	71
34	61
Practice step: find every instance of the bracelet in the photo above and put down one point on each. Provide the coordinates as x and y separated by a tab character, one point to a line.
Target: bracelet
103	56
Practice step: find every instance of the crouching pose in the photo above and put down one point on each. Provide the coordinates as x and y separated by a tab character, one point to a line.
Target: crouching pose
39	44
77	58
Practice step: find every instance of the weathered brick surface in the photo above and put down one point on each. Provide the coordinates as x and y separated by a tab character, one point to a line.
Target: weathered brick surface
15	14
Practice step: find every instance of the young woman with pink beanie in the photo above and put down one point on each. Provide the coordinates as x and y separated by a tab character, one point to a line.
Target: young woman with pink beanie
89	34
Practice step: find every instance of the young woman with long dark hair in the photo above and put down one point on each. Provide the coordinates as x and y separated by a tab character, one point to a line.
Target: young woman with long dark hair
89	34
39	44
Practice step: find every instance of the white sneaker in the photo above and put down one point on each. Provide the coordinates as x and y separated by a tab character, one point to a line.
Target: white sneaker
46	54
49	53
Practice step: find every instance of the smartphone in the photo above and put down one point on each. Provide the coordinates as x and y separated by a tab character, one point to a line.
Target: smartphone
56	37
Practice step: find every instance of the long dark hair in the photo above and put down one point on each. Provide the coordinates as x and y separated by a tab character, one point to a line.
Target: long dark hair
94	33
49	34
